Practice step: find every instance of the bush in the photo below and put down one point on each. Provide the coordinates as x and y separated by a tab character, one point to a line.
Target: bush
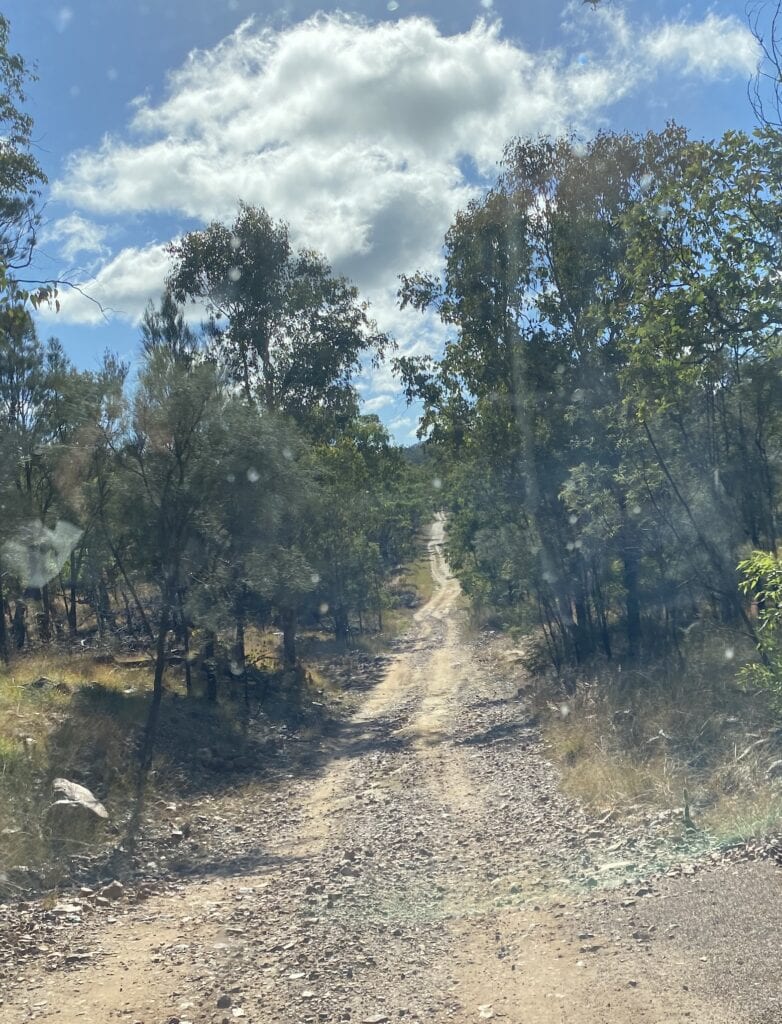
762	580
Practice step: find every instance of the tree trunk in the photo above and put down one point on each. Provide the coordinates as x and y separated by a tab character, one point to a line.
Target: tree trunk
600	610
45	618
583	631
133	594
72	623
210	669
185	631
150	731
94	599
632	601
20	625
239	655
3	630
288	617
341	624
128	614
104	606
160	653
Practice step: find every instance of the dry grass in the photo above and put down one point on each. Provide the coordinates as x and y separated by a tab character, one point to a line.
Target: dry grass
84	722
642	739
416	579
77	725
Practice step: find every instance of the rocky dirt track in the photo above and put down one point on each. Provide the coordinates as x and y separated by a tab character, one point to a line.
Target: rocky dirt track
429	871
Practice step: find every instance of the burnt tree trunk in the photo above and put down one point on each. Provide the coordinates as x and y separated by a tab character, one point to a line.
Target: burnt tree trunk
20	624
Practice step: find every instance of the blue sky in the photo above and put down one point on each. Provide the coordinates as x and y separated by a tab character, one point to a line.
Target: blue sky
365	126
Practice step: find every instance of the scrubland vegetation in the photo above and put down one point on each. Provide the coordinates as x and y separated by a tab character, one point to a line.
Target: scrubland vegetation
606	420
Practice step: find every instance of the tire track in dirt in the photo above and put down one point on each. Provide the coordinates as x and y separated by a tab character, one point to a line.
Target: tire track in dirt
426	875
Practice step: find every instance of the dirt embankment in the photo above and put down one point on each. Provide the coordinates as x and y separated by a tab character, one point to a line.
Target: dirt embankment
431	870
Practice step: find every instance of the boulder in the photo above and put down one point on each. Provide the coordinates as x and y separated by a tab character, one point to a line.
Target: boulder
76	811
74	793
113	891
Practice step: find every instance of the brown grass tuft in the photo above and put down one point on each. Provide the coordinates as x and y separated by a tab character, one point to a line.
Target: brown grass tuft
641	738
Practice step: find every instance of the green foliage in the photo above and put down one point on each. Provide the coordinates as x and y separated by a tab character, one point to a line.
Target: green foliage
290	333
368	514
21	176
607	405
761	579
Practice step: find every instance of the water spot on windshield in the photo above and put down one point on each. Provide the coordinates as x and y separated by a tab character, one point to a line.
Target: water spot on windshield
37	553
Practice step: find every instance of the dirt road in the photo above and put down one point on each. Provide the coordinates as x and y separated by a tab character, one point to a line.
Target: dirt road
430	870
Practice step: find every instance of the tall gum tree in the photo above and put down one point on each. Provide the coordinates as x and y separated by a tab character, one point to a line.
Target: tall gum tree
291	333
529	384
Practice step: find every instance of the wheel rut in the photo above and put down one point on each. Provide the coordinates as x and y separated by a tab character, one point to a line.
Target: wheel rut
429	873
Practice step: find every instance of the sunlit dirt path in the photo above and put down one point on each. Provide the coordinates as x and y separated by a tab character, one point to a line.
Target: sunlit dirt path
429	872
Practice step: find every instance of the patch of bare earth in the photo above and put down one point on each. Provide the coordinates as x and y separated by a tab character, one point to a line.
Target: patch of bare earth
429	869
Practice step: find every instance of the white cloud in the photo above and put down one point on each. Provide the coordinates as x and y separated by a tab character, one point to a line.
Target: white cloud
75	235
403	428
122	286
357	134
378	402
713	47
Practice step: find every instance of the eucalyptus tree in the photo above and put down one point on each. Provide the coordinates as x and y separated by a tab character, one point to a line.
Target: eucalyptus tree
168	474
290	333
366	521
527	395
47	413
702	376
21	176
252	564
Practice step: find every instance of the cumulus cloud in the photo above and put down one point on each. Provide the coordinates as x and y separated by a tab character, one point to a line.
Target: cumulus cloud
122	286
378	402
359	135
76	236
713	47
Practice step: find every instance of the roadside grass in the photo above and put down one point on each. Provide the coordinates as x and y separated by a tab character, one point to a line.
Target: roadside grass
639	740
81	716
416	579
74	717
64	715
